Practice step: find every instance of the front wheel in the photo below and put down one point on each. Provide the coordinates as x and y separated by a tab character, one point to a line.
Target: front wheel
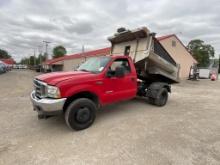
80	114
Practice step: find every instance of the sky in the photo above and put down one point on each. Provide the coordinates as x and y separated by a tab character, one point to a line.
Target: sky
25	24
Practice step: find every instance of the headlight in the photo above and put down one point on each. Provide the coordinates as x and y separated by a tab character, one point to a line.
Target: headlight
53	91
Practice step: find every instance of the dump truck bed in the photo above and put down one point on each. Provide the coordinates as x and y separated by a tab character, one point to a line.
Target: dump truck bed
152	61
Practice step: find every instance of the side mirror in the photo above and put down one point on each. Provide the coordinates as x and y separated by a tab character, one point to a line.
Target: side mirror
109	73
120	71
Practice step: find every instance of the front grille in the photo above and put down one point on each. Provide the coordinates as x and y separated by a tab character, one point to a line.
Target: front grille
40	88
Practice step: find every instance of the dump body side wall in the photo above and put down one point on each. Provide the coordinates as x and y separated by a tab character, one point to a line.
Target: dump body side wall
118	49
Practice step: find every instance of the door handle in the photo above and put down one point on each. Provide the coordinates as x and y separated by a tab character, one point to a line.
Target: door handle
99	82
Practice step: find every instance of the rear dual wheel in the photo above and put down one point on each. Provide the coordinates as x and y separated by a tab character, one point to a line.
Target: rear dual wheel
80	114
161	99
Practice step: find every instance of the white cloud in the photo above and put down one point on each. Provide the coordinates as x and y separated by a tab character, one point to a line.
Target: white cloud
73	23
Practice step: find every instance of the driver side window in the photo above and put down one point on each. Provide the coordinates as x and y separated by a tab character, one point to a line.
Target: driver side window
120	63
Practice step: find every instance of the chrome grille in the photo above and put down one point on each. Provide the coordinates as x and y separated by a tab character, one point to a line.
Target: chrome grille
40	88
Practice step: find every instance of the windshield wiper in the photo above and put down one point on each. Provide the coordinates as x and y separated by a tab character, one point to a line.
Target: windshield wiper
84	70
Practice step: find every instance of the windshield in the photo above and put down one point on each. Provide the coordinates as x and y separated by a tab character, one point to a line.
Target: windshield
95	65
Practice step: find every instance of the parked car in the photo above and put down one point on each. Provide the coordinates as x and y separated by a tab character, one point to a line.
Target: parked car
8	67
24	67
19	66
3	67
14	66
38	68
204	73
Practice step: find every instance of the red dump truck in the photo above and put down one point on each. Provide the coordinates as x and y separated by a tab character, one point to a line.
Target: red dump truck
106	80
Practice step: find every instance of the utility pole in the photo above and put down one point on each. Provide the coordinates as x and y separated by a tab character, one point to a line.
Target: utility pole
34	58
40	56
40	53
29	61
46	47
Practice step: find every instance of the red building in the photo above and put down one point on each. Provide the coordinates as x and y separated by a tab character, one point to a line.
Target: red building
8	61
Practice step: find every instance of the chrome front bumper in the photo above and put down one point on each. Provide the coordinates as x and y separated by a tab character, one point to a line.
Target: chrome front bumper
47	106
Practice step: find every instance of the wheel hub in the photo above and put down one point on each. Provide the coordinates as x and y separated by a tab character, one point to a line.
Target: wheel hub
83	115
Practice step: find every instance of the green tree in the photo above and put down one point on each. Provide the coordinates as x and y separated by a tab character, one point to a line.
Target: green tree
29	60
32	60
59	51
4	54
40	59
201	52
24	61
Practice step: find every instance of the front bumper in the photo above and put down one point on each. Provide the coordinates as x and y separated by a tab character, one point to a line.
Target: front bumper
47	106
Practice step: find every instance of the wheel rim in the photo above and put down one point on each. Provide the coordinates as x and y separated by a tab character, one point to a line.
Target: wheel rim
83	115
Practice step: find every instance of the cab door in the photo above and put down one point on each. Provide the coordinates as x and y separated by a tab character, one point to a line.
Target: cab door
119	88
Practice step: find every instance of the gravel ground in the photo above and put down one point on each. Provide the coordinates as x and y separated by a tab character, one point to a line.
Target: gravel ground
185	131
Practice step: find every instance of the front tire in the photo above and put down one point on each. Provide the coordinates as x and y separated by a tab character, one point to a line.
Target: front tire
80	114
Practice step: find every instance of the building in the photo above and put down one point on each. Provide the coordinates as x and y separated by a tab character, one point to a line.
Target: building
8	61
71	62
179	53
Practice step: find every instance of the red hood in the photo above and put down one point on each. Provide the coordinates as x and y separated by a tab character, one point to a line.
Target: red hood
57	77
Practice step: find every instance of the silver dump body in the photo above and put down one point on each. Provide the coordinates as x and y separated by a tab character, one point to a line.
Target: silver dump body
152	61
